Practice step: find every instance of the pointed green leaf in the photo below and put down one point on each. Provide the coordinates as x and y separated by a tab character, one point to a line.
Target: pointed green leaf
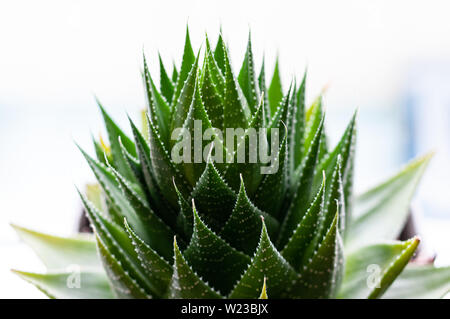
270	194
157	234
114	132
184	102
212	258
371	269
247	78
117	247
267	263
275	91
314	117
302	192
185	283
294	251
156	268
93	285
246	162
219	53
298	126
387	201
420	282
185	217
212	100
122	284
235	110
263	89
57	253
217	75
164	169
158	108
167	88
243	228
174	74
186	68
213	198
321	275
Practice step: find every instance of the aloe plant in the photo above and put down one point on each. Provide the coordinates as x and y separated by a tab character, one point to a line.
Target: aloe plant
167	229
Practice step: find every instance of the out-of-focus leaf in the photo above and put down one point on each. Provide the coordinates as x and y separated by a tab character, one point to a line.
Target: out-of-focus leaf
381	212
58	253
420	282
371	269
64	285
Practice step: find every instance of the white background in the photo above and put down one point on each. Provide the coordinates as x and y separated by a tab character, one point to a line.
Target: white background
55	55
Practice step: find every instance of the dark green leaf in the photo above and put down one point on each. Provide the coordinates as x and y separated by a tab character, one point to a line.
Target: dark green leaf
167	88
247	78
212	258
243	228
156	268
275	92
267	263
185	283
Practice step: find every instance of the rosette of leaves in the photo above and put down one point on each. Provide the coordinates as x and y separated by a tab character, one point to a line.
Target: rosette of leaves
225	230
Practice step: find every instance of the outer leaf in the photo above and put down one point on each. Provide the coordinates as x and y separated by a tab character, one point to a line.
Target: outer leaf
117	248
267	263
371	269
387	201
114	132
122	284
243	228
214	198
420	282
247	78
60	252
214	259
186	283
275	92
156	268
93	285
158	234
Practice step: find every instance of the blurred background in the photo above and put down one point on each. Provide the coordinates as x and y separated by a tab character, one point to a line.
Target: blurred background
390	59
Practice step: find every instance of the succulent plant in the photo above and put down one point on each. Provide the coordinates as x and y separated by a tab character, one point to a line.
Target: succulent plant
211	229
